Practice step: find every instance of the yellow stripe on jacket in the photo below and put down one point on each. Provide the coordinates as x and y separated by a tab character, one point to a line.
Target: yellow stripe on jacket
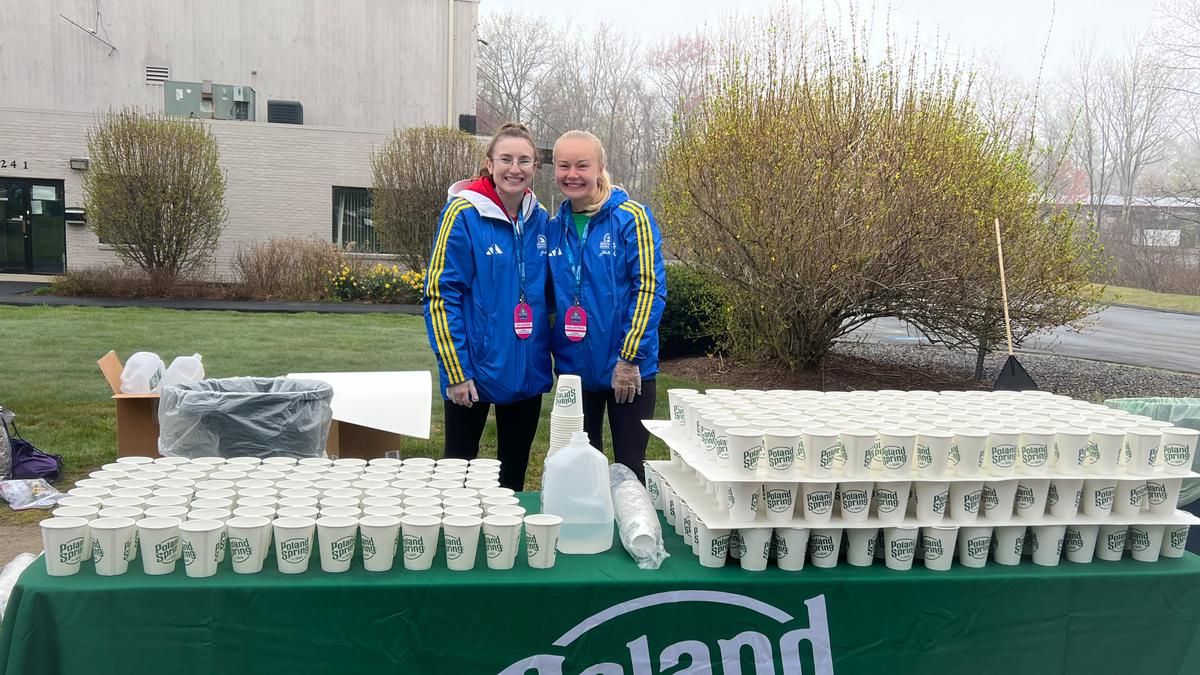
437	301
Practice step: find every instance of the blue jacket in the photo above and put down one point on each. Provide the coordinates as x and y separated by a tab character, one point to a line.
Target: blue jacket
624	290
472	287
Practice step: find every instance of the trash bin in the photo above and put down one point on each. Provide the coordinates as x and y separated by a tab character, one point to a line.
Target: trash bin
1182	412
245	417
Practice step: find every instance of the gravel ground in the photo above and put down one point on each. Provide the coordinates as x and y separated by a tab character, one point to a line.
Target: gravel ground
1077	378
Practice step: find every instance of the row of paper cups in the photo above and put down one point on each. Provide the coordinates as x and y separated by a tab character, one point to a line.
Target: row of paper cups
203	544
961	501
936	545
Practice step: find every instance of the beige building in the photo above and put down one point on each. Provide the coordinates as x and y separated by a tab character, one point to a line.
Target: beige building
357	70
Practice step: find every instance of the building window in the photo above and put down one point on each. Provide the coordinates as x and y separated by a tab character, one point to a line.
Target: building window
352	219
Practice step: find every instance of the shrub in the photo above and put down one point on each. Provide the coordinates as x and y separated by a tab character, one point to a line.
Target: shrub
412	172
155	192
379	284
692	323
114	281
287	269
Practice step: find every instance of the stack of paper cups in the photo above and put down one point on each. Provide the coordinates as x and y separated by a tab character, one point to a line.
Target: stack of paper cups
566	417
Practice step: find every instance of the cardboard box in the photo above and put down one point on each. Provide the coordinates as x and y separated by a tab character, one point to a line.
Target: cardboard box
371	411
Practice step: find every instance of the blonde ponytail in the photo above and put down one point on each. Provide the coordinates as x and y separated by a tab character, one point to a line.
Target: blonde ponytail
604	183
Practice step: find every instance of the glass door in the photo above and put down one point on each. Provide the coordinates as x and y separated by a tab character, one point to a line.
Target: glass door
34	236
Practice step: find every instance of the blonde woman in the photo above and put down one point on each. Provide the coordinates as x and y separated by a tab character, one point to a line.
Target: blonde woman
610	288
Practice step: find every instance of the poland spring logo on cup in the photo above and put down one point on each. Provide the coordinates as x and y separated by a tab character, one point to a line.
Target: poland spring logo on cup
292	550
239	548
1072	540
454	546
566	397
1004	455
492	545
821	545
1175	454
1091	454
977	547
932	546
1034	454
820	502
368	547
779	544
1052	495
1024	497
166	551
1156	492
1178	537
903	549
924	457
780	639
779	500
892	456
414	547
71	552
886	500
855	501
188	555
531	544
1139	539
780	458
343	549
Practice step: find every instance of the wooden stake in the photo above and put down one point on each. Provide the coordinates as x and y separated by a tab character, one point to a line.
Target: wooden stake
1004	288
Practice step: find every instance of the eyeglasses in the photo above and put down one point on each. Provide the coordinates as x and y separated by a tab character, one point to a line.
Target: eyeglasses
506	161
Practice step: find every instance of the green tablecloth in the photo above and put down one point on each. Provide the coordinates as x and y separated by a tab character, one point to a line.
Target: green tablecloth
1123	617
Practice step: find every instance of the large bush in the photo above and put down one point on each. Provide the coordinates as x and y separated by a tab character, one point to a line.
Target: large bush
287	269
412	172
820	191
155	192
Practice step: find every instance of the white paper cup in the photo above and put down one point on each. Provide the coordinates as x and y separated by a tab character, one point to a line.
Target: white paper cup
741	500
854	501
501	534
159	541
506	510
1162	494
670	501
460	539
938	544
297	512
965	498
1002	451
1046	543
112	544
974	544
1064	496
1129	497
1030	499
380	536
64	539
1174	543
337	538
200	546
780	501
824	545
293	543
1145	542
857	445
745	450
1071	448
781	445
896	450
820	448
1177	449
541	539
817	502
1110	542
997	499
1104	451
860	546
1079	542
790	545
755	548
246	542
714	545
1142	443
900	547
675	403
1036	454
490	502
933	451
1098	495
933	498
891	500
1009	543
968	451
419	540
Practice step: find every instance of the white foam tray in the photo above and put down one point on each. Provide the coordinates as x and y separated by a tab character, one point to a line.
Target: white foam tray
694	456
705	505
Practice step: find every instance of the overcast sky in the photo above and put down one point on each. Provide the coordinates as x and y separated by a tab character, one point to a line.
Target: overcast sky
1014	30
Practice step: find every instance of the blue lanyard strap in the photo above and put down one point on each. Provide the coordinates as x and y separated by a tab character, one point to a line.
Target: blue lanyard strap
578	268
519	238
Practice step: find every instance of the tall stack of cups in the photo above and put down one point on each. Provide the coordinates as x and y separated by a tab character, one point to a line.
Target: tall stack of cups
566	417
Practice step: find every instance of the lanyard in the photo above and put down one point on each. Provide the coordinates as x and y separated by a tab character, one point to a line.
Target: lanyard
570	253
519	237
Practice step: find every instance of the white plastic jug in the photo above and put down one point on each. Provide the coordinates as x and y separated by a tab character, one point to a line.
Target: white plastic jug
575	487
143	374
184	370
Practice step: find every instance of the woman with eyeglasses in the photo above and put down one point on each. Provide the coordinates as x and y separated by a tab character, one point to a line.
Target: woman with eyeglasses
610	288
486	308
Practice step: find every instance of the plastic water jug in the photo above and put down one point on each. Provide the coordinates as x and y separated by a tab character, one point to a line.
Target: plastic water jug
575	487
184	370
142	374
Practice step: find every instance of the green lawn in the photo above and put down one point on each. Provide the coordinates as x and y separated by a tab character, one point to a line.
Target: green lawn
49	377
1141	298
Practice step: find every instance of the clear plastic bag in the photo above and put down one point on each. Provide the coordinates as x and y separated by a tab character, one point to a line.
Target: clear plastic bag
9	575
637	521
245	417
33	493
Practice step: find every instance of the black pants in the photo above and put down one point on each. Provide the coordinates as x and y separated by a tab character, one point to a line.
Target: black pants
629	436
516	425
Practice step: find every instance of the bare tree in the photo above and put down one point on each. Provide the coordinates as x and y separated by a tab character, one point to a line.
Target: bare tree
518	53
